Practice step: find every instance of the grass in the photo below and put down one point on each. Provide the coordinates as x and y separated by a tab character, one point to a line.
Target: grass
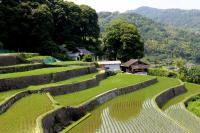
20	118
4	95
194	107
38	72
117	81
133	112
38	58
191	89
19	65
71	63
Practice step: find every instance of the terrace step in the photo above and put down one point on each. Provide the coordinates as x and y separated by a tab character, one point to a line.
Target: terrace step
88	106
41	76
23	68
58	88
149	118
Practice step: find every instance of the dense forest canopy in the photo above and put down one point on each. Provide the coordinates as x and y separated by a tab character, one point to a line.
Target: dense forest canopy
121	40
42	25
160	40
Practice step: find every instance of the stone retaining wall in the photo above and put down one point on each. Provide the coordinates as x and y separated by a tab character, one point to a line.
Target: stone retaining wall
69	113
7	60
22	82
69	88
57	90
169	94
12	69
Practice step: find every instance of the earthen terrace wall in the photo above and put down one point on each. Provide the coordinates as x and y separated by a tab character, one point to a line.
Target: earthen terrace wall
74	113
22	82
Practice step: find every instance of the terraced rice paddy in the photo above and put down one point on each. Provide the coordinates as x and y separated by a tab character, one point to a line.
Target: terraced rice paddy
134	112
117	81
175	109
4	95
20	118
185	118
38	72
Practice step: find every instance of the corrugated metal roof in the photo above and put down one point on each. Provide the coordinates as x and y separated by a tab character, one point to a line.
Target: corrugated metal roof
108	62
130	62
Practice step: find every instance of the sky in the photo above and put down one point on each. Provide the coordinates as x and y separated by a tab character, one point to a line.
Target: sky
124	5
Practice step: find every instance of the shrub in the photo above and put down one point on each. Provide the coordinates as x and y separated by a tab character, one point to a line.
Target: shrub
158	72
87	58
191	74
162	72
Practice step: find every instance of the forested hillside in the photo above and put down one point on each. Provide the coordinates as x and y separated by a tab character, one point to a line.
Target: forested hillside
42	25
189	19
162	40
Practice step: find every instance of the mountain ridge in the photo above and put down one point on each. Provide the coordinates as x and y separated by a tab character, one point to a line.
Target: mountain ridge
181	18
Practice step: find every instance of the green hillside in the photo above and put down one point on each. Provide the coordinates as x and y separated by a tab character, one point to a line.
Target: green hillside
189	19
162	40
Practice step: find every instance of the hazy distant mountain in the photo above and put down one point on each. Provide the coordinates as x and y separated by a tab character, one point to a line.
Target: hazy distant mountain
176	17
160	39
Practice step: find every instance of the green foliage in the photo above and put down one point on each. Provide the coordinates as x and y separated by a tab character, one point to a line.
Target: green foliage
194	107
162	72
190	74
42	25
87	58
121	39
180	63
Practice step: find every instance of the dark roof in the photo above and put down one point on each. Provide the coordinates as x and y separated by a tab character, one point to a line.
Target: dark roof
130	62
84	51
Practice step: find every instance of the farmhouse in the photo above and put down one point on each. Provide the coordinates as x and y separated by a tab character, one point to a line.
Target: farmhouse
134	66
110	65
77	53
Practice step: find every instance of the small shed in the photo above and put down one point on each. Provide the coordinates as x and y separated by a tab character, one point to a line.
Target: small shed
134	66
110	65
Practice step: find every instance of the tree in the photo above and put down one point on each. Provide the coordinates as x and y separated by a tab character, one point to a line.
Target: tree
42	25
122	41
179	63
89	28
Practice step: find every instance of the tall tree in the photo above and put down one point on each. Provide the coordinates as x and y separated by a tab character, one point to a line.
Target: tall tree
122	41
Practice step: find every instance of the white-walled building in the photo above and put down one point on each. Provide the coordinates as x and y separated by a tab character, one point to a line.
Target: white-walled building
110	65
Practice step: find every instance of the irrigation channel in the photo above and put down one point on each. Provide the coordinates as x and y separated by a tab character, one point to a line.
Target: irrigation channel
135	112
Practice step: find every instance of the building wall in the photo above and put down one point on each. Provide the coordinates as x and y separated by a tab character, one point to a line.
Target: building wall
113	67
